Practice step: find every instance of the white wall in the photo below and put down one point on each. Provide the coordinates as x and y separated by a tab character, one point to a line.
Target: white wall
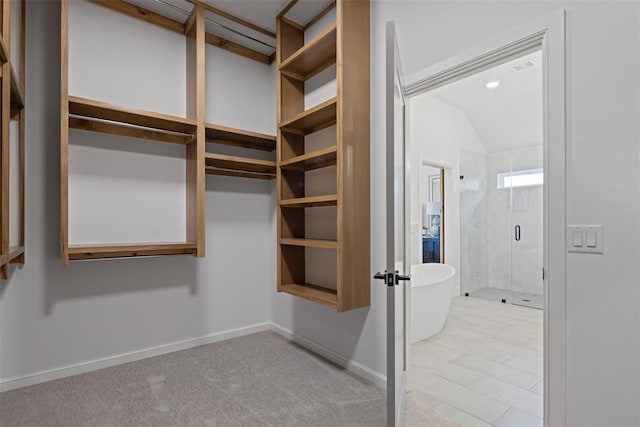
437	133
51	316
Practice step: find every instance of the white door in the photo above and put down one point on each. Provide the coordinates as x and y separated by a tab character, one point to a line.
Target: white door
395	275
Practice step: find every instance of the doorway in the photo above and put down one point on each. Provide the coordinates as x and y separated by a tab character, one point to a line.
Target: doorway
546	35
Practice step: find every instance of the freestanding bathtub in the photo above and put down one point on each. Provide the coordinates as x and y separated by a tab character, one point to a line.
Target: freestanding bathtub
431	293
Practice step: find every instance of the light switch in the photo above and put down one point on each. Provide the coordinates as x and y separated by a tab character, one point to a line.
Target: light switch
586	239
577	239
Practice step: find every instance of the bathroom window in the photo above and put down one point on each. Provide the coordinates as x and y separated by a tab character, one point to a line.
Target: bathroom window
527	178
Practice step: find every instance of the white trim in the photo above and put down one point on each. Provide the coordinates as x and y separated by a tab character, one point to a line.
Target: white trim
12	383
546	33
354	367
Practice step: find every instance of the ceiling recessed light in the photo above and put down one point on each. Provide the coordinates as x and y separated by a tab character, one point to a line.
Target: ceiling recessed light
493	85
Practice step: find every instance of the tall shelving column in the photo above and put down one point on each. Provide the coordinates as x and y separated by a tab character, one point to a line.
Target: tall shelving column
346	44
195	33
12	109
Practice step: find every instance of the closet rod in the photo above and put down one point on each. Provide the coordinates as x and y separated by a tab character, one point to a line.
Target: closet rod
172	6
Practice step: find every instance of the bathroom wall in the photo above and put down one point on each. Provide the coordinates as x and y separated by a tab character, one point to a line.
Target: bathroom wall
474	255
438	132
515	266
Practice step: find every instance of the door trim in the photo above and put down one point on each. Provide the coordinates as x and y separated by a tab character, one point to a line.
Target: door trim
546	34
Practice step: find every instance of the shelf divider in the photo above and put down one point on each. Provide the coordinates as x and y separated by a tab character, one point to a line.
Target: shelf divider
104	111
239	138
101	251
313	293
313	57
310	161
317	118
310	202
310	243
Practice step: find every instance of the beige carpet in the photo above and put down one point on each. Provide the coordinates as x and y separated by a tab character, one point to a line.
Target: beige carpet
257	380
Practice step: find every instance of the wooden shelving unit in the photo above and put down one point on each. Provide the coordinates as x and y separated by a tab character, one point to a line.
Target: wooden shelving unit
193	131
13	109
345	44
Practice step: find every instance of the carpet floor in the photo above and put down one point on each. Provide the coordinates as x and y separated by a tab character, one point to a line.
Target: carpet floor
256	380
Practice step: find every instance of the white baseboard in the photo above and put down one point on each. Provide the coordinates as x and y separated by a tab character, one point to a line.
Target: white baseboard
356	368
93	365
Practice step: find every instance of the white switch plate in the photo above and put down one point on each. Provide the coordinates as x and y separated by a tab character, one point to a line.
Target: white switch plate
580	239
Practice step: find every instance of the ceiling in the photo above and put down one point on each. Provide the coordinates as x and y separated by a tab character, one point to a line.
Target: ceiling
260	12
507	117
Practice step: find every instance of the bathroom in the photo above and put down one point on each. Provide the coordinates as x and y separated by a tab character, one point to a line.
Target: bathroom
476	246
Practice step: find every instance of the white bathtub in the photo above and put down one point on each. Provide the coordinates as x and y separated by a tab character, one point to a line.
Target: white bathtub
431	293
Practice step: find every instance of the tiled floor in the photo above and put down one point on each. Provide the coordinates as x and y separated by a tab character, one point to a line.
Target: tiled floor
519	298
484	368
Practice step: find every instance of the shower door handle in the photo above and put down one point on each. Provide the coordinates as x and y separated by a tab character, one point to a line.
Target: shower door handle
517	236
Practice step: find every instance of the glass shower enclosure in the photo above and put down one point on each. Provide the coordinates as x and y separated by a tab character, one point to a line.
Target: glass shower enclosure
501	226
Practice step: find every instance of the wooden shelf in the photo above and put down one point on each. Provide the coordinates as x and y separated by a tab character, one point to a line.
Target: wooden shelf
314	160
310	243
313	293
310	202
101	110
239	138
15	252
240	163
317	118
242	167
312	58
3	51
17	98
78	252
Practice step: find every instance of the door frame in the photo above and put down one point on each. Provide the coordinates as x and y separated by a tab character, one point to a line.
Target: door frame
546	34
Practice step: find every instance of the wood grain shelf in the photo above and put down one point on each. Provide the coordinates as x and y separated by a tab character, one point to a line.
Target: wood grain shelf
241	167
245	164
310	161
313	293
112	128
239	138
78	252
15	252
17	98
132	116
317	118
3	51
310	202
310	243
239	174
313	57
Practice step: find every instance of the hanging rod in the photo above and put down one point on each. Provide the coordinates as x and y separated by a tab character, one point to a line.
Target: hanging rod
179	9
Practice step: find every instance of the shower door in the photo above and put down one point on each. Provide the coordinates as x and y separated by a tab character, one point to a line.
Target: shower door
527	227
501	226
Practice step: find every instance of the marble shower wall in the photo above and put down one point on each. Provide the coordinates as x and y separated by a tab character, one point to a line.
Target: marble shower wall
474	253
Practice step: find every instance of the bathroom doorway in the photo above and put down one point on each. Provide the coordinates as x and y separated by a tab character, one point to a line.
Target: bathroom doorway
431	186
476	314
